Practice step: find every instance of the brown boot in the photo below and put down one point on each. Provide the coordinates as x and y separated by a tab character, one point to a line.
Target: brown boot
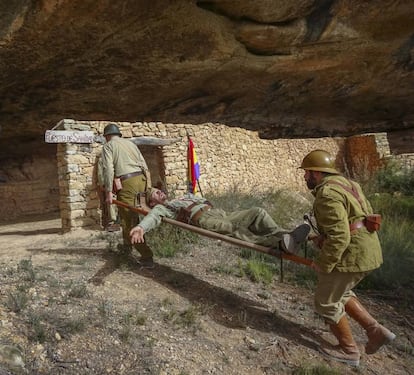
347	350
377	334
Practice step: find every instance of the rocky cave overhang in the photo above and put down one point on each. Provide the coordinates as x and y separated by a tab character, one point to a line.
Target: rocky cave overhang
288	69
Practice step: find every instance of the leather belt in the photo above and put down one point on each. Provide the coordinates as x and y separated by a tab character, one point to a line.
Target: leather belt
129	175
355	226
196	217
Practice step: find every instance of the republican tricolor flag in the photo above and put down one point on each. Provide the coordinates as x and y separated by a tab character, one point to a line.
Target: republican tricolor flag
193	167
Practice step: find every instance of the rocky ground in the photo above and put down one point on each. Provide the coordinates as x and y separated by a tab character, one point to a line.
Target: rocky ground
70	306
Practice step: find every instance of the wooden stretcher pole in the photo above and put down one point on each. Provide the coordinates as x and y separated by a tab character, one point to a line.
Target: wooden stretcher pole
218	236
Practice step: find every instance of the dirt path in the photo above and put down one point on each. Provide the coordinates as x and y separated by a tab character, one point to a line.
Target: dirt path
90	311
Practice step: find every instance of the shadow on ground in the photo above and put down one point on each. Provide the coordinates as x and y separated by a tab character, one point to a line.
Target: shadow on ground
34	232
223	306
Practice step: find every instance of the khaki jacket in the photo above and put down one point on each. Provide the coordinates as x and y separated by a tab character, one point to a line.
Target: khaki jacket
334	209
119	157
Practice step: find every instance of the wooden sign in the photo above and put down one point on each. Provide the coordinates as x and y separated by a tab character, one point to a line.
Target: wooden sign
69	136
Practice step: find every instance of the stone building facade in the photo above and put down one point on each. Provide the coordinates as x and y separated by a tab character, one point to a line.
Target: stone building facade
230	158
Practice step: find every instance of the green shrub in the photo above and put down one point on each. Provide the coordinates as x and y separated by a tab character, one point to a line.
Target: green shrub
259	271
167	240
104	308
316	370
393	178
228	270
259	268
37	331
72	326
188	317
134	318
17	301
394	207
395	235
287	208
26	266
78	290
302	275
397	241
234	200
185	318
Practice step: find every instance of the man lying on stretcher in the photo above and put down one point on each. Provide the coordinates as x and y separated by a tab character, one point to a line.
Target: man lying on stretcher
253	225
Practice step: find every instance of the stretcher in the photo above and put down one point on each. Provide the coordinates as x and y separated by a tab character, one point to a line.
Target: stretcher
234	241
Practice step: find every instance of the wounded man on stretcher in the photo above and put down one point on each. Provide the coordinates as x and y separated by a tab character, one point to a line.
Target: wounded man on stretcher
253	225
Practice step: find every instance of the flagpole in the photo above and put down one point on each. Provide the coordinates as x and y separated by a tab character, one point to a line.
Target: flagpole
199	188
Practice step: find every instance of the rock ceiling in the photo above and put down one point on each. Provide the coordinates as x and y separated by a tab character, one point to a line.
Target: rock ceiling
294	68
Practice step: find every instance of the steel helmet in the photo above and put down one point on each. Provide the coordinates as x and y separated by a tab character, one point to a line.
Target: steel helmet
112	129
319	160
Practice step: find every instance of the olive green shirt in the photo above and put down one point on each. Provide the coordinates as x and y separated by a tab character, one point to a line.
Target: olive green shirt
170	210
119	157
334	209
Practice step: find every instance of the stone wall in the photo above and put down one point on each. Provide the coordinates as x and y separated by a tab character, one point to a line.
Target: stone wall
237	158
28	186
230	158
405	160
79	200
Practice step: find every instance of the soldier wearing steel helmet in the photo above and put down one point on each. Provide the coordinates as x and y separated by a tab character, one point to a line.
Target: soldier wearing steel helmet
122	159
348	253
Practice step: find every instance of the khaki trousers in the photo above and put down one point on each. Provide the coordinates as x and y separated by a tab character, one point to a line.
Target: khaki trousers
253	225
333	291
129	219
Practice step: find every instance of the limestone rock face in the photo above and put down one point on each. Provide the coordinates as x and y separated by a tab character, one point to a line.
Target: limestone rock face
288	68
262	11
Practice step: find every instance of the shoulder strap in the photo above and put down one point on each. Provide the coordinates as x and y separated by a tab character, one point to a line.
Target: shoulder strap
351	190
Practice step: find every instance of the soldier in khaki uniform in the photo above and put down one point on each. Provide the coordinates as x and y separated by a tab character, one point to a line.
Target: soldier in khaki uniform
348	253
253	225
122	159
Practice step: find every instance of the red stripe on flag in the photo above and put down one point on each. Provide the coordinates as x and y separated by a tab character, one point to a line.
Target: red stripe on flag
192	178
